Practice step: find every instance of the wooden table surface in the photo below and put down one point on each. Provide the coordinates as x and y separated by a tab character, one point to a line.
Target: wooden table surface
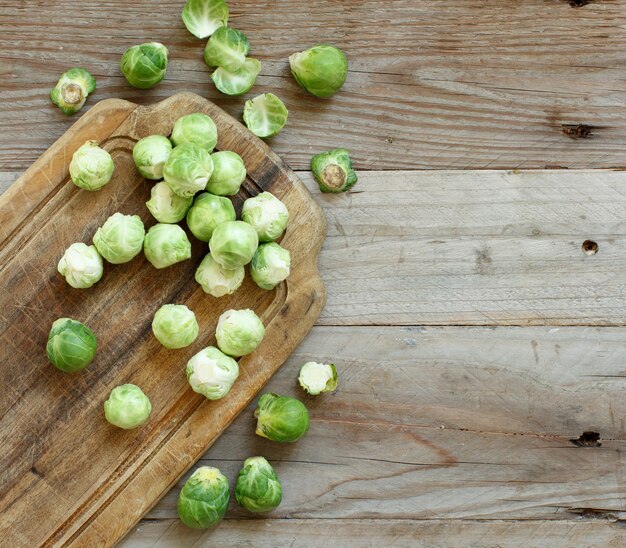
475	341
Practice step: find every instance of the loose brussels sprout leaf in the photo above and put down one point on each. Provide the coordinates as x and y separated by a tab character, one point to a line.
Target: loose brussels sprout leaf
270	265
144	66
120	238
237	82
239	332
165	245
333	170
165	206
127	407
267	215
150	155
321	70
71	345
203	500
188	169
228	173
265	115
72	90
196	128
81	265
91	167
175	326
203	17
207	212
212	373
216	280
227	48
281	418
258	488
316	378
233	244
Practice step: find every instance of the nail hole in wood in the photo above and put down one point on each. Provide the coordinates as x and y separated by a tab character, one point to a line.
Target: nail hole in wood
579	3
588	439
590	247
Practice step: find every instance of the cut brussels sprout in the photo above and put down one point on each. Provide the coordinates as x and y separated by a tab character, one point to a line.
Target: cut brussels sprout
216	280
227	48
91	167
258	488
196	128
203	17
150	155
212	373
120	238
228	173
72	90
281	418
207	212
71	345
267	215
127	407
321	70
270	265
188	169
237	82
165	206
81	265
333	170
203	500
175	326
316	378
233	244
265	115
144	66
239	332
165	245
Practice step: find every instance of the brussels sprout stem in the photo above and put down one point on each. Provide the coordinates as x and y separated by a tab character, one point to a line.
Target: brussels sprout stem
334	177
71	93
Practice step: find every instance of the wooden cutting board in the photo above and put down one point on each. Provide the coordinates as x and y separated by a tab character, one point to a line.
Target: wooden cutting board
66	475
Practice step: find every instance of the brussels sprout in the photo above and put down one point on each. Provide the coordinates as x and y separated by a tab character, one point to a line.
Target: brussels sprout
203	500
258	488
203	17
165	245
91	167
316	378
233	244
267	215
227	48
207	212
265	115
81	265
144	66
188	169
120	238
175	326
270	265
237	82
228	173
72	90
212	373
239	332
127	407
281	418
165	206
71	345
196	128
216	280
333	170
150	155
321	70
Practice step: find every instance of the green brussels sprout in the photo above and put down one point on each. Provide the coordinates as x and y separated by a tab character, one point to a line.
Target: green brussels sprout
72	90
165	206
127	407
217	280
207	212
281	418
71	345
175	326
196	128
203	500
239	332
227	48
257	488
91	167
233	244
316	378
150	155
267	215
81	265
144	66
265	115
212	373
270	265
188	169
203	17
228	173
237	82
165	245
120	238
333	170
321	70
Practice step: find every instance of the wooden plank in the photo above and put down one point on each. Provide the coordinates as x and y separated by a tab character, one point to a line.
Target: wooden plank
432	84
